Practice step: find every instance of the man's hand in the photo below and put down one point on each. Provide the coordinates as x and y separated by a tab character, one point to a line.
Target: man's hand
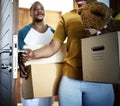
28	55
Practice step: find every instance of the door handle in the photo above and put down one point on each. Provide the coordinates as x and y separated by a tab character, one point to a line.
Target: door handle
7	66
6	51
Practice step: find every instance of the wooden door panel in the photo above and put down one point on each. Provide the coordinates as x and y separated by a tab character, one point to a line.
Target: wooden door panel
8	21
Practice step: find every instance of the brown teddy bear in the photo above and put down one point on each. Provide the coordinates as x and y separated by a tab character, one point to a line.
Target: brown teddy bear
95	15
114	25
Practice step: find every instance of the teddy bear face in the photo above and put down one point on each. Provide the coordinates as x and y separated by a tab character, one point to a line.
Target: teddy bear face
95	15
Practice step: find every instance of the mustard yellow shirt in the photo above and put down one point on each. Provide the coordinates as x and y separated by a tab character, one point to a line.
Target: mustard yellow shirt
70	26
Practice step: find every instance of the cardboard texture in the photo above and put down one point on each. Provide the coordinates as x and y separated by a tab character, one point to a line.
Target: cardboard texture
43	80
101	58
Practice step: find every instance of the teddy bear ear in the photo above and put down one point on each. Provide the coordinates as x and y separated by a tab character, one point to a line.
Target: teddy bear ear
100	9
88	1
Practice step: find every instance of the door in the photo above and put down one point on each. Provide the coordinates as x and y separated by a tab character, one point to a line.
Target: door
8	52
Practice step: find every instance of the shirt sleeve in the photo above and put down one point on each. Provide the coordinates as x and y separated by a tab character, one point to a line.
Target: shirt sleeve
22	34
60	34
20	40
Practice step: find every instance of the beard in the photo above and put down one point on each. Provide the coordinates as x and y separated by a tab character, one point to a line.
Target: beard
38	20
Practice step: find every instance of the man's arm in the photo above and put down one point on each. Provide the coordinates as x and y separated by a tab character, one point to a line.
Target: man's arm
45	51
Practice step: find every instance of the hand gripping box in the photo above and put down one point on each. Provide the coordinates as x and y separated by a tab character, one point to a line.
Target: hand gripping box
45	75
101	58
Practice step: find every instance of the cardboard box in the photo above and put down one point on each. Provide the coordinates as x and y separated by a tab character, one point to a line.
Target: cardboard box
101	58
45	75
43	80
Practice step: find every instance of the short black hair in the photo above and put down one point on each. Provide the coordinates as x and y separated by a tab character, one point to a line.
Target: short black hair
36	3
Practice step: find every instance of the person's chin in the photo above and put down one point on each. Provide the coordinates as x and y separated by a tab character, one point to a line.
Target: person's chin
39	19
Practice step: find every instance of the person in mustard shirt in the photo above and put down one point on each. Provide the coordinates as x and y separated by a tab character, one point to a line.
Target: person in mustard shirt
72	90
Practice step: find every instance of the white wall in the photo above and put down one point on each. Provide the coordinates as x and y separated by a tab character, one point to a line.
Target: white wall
105	1
57	5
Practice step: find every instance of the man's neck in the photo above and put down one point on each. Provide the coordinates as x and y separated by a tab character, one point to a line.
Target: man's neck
39	26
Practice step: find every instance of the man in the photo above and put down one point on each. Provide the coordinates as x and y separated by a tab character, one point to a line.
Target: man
72	90
36	33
